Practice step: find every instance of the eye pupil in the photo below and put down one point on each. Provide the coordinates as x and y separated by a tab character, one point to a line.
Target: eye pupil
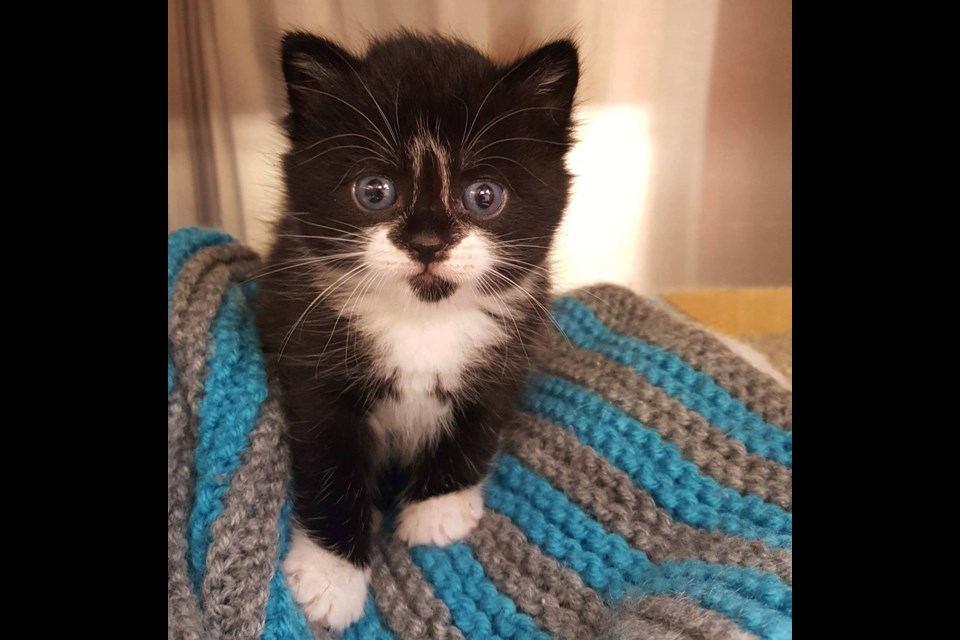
484	199
375	192
484	196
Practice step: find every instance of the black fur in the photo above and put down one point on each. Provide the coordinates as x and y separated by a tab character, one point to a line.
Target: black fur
325	366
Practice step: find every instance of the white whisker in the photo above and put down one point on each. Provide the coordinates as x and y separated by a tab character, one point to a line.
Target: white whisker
513	318
342	135
519	165
503	117
396	108
313	305
489	93
377	104
361	230
305	262
502	241
337	321
345	146
505	179
329	238
524	246
487	146
341	100
466	119
514	284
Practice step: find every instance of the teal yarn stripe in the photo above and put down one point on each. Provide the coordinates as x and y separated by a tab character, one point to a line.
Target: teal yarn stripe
171	370
370	626
478	609
527	488
284	619
679	379
675	483
182	244
235	387
758	602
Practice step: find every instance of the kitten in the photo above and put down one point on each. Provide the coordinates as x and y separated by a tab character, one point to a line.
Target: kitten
407	286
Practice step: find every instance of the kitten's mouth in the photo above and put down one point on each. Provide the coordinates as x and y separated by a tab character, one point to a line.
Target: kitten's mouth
429	287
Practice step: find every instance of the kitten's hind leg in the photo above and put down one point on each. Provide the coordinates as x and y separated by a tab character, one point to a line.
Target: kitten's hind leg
443	501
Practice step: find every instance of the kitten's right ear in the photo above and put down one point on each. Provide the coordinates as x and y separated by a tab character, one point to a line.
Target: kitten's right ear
311	64
549	75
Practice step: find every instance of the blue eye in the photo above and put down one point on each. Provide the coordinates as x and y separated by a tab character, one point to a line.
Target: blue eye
483	199
375	192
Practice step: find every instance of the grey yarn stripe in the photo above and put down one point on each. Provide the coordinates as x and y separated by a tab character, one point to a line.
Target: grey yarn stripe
725	459
626	509
245	537
405	599
183	616
203	277
187	331
679	614
630	625
196	298
553	595
625	312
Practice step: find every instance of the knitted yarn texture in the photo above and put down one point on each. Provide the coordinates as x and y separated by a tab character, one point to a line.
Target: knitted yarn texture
644	491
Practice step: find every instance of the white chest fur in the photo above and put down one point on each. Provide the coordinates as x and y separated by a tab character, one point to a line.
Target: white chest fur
422	347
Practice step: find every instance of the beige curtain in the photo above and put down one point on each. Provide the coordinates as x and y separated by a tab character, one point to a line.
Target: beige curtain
688	100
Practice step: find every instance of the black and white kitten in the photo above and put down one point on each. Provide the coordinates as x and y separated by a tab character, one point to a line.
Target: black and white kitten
407	286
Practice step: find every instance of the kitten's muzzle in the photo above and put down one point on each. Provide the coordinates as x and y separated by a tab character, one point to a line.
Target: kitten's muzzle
427	247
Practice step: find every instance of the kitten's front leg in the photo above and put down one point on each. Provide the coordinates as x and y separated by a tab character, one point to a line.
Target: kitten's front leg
444	500
328	566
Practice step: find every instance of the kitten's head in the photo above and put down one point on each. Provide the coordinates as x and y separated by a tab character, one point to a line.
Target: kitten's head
425	164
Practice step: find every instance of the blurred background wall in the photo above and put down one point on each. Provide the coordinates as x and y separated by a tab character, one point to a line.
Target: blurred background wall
684	168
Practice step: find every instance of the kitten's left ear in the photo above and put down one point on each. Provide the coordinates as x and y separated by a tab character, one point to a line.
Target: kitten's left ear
550	74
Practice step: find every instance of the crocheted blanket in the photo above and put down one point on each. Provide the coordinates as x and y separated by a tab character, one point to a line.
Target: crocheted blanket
645	491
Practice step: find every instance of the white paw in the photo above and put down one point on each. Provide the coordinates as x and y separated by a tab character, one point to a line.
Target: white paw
329	589
441	520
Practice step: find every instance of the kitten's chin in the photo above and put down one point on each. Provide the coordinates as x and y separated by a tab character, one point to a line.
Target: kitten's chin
430	288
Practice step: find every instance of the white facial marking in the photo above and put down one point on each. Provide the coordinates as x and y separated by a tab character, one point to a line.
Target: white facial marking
421	144
468	260
466	264
385	258
329	589
441	520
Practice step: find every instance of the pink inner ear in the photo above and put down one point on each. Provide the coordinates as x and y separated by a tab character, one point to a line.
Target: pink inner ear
312	67
546	79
